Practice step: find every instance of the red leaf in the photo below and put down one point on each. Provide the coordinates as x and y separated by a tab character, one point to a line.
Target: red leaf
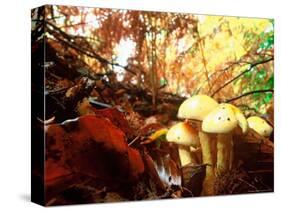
117	118
101	131
55	172
92	146
136	162
54	149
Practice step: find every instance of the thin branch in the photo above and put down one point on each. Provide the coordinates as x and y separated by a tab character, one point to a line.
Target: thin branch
89	53
242	73
56	91
204	62
244	107
249	93
134	140
220	72
203	38
77	24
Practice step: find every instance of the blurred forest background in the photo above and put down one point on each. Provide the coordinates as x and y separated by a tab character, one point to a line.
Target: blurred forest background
228	58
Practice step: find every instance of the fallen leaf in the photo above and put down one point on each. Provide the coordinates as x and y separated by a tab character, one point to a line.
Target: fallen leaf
193	177
117	118
92	146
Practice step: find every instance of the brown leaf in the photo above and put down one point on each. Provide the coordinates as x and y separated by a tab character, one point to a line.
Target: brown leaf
92	146
193	177
54	155
136	162
117	118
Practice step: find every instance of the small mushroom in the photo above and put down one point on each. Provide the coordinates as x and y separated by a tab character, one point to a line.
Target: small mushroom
197	108
260	126
223	120
185	136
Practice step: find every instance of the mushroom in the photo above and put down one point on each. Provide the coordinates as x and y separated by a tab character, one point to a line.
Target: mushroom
223	120
197	108
243	124
185	136
260	126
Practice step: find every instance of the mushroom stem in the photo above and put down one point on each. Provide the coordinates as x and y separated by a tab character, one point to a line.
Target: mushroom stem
231	155
185	155
224	148
207	158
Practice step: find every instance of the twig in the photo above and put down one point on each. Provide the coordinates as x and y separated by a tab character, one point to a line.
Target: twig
249	93
204	62
89	53
133	141
221	71
189	191
58	102
246	107
56	91
241	74
250	185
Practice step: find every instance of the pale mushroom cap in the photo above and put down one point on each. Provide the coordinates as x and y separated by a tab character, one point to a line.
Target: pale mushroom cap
242	121
182	133
196	107
221	120
260	126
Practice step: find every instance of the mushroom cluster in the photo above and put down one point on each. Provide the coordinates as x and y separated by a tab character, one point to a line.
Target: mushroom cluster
216	124
197	108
